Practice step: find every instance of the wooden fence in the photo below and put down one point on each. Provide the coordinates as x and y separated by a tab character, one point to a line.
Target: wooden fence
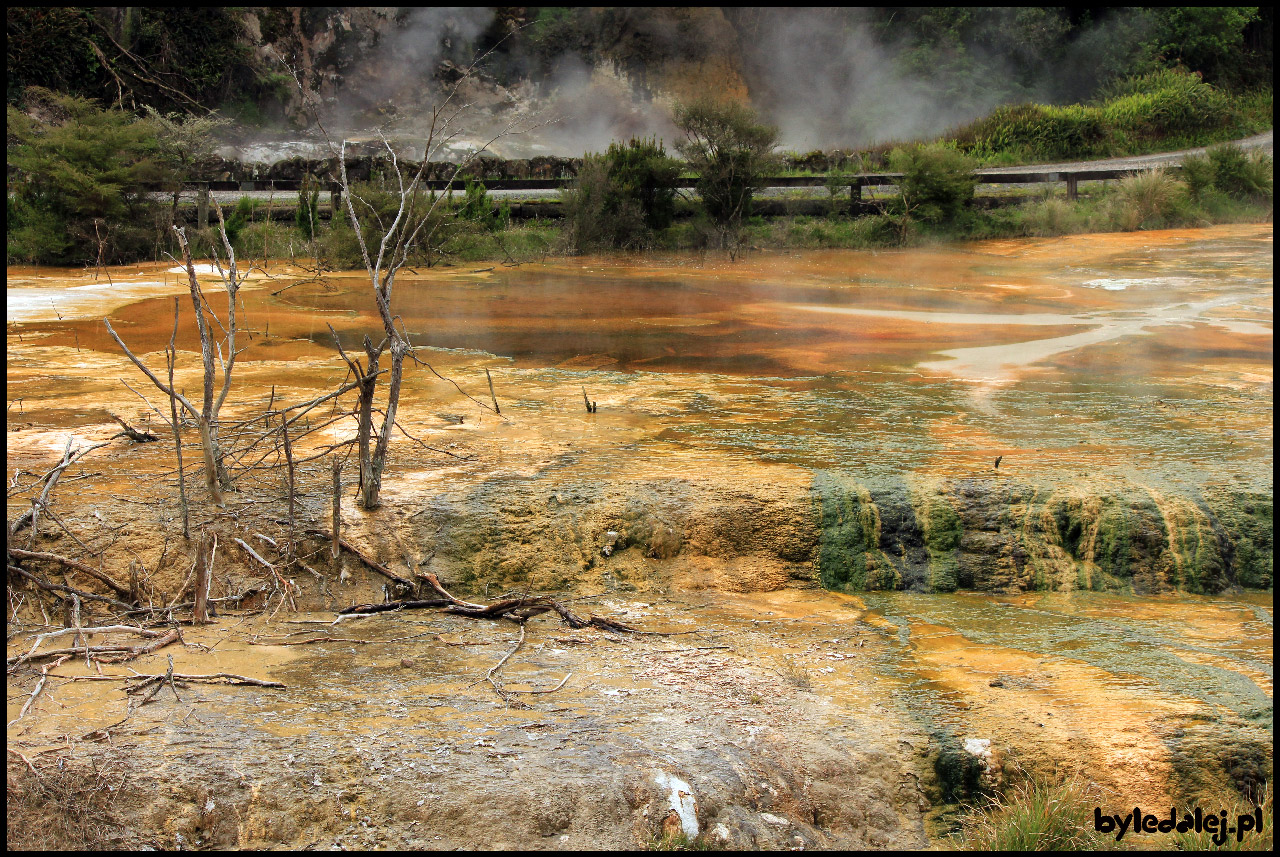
855	183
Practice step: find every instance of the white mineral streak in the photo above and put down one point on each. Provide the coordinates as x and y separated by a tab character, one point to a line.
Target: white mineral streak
681	800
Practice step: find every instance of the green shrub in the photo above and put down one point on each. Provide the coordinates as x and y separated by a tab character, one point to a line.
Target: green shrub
640	170
1248	176
1037	131
77	182
1197	173
239	218
937	182
1167	104
478	208
1036	815
731	152
622	198
595	218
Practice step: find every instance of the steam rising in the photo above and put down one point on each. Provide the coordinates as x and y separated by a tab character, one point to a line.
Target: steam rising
826	77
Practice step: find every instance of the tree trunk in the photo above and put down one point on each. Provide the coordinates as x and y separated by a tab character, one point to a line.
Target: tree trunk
212	463
371	488
370	477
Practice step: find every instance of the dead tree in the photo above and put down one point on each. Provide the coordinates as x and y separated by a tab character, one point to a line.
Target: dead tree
385	250
213	356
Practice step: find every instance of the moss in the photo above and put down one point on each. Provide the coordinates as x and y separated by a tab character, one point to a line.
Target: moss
1246	518
942	532
849	554
959	772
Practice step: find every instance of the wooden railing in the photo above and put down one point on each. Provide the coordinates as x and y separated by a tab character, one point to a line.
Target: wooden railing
855	183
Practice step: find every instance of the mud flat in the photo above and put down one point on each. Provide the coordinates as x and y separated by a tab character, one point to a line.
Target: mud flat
793	466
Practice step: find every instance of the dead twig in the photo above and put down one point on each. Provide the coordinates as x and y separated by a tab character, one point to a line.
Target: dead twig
370	563
44	675
101	577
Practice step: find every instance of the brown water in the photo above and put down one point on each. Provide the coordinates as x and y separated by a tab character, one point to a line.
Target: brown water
1137	354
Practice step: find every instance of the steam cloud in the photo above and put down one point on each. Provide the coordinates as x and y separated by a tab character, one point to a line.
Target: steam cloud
823	76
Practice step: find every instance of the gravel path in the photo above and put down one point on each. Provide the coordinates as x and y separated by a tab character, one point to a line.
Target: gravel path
1258	141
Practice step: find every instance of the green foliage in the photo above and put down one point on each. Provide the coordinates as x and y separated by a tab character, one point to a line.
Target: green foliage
640	170
1166	104
937	182
239	218
1036	815
1249	176
1165	108
478	208
1206	39
585	205
731	152
48	46
76	175
1037	131
622	198
1197	172
201	47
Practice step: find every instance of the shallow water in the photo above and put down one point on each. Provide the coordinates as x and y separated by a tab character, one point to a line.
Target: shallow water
1138	355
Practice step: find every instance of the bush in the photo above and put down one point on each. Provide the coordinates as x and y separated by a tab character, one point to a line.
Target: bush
1197	173
937	182
731	152
1249	176
622	198
593	218
1166	104
640	170
1036	131
76	182
479	209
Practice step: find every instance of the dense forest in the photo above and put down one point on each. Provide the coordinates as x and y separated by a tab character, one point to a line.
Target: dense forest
872	61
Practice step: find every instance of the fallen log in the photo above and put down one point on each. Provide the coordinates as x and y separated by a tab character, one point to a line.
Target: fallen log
135	435
55	587
111	654
516	609
358	554
390	606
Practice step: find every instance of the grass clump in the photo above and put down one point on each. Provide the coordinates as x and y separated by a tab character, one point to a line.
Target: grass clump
1236	806
1035	815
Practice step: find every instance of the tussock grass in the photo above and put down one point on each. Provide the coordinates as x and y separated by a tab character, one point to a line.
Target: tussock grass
1036	815
1236	806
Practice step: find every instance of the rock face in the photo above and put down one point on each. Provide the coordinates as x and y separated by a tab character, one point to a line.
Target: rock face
938	535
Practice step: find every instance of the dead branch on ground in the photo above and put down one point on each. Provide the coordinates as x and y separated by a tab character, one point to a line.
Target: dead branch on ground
135	435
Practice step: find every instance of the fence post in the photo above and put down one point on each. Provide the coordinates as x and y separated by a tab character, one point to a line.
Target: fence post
202	206
1072	190
855	191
